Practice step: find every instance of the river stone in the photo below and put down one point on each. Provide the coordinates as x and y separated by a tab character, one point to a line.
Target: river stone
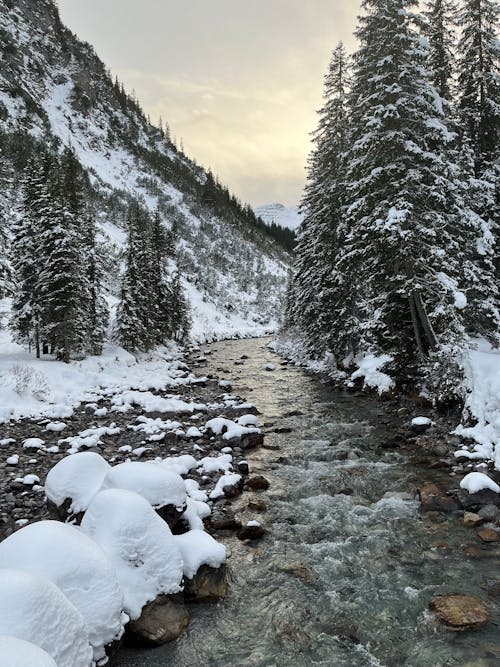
161	621
62	512
489	512
432	499
257	506
250	533
493	587
471	519
473	502
171	515
488	535
460	612
257	483
209	584
252	440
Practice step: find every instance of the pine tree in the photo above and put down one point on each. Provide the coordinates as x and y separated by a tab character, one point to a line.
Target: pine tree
479	85
97	311
398	241
315	302
5	271
440	25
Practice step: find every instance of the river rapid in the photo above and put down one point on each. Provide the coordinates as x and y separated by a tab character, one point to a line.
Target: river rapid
346	571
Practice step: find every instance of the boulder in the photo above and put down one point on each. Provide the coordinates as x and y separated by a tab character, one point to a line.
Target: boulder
432	499
460	612
161	621
473	502
257	483
209	584
252	531
471	519
488	535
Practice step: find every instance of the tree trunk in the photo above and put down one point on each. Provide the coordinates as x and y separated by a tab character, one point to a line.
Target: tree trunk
424	319
416	329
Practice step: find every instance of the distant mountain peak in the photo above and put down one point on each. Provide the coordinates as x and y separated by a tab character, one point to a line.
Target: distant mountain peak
285	216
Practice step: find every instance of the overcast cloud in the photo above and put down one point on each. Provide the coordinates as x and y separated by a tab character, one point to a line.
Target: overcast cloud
238	80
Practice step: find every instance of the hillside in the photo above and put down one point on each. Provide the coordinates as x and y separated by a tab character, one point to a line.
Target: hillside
55	90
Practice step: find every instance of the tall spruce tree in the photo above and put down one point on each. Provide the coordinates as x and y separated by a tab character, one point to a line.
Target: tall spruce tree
316	301
397	235
479	83
441	17
4	223
97	311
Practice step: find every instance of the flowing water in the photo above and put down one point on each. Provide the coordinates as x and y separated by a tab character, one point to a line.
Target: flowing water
341	579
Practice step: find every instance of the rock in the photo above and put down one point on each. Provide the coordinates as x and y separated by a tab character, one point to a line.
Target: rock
161	621
473	502
243	468
257	506
294	413
232	491
493	587
432	499
252	440
170	514
257	483
460	612
471	519
296	569
227	522
488	535
283	429
62	512
489	513
209	584
420	425
252	532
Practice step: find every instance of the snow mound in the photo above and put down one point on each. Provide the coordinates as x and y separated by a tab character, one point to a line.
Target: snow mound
78	567
34	609
199	548
181	465
478	481
196	511
230	429
19	653
422	421
229	479
158	485
78	477
138	543
369	368
210	464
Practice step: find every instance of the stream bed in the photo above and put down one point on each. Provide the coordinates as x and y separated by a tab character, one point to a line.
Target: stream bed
345	574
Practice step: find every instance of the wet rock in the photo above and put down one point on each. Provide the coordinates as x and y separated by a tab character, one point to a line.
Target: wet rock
243	468
488	535
257	506
489	513
432	499
294	413
226	522
252	440
62	512
471	519
170	514
251	532
257	483
209	584
271	448
296	569
420	425
473	502
460	612
232	490
161	621
493	587
283	429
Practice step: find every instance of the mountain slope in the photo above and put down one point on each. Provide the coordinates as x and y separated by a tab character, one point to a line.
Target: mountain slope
288	217
54	89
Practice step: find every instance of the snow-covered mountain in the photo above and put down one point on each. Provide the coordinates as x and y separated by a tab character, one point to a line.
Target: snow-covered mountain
284	216
55	90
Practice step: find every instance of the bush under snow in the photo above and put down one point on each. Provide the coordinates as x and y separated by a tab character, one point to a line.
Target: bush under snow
78	477
19	653
74	563
34	609
138	543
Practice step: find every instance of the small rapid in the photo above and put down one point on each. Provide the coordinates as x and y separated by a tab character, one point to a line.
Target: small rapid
346	571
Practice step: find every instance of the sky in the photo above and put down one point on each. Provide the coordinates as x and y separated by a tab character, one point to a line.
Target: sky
239	81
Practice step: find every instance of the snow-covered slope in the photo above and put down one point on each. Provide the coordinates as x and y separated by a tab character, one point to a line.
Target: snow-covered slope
284	216
54	88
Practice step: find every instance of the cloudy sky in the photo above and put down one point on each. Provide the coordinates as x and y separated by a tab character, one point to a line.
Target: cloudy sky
238	80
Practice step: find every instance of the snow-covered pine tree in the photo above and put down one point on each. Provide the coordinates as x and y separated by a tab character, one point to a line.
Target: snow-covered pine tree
62	280
135	320
181	322
4	222
316	302
26	252
97	311
441	17
397	239
479	83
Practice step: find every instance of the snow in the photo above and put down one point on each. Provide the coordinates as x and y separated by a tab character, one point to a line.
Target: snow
229	479
482	403
34	609
230	429
55	427
19	653
138	543
210	464
33	443
288	217
196	511
157	484
369	368
78	567
12	460
421	421
477	481
199	548
78	477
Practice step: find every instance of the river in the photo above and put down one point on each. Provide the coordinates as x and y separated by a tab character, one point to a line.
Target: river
348	567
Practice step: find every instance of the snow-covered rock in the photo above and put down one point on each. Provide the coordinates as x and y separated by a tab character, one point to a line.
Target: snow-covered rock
34	609
138	543
199	548
78	478
196	511
33	443
19	653
157	484
227	480
478	481
78	567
